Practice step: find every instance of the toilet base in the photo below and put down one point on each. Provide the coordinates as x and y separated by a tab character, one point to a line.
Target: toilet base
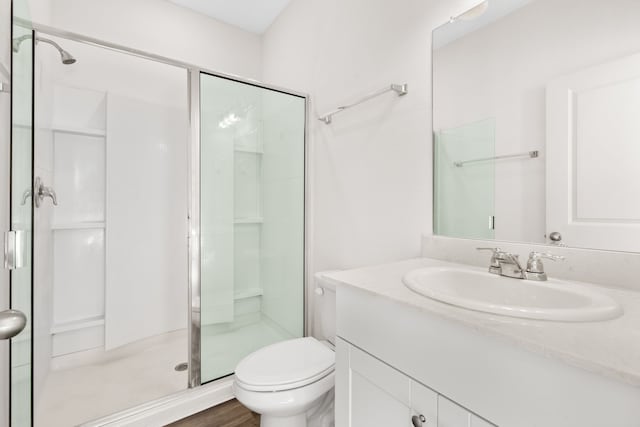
308	406
320	415
299	420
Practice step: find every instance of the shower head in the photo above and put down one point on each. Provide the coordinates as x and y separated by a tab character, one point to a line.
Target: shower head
15	43
65	56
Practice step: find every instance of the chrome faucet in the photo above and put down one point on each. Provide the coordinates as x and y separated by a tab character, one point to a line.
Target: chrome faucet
535	269
494	265
507	264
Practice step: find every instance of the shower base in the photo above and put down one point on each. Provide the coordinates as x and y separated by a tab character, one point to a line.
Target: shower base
119	379
126	386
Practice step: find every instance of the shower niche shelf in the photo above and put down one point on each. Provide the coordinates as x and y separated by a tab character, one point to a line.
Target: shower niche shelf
89	225
79	131
250	220
249	150
75	325
248	293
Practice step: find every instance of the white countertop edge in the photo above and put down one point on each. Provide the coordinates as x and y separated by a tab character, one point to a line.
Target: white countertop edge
497	326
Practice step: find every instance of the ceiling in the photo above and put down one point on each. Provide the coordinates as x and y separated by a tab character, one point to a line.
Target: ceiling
251	15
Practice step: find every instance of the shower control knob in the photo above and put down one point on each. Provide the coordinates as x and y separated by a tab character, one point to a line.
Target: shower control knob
418	420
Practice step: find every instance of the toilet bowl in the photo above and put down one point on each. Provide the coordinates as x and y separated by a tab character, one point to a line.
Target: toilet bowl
290	384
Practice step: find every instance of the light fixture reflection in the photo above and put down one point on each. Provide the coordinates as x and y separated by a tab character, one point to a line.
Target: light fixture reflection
472	13
229	120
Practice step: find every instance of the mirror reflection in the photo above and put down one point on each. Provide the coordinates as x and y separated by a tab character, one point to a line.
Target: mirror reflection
535	122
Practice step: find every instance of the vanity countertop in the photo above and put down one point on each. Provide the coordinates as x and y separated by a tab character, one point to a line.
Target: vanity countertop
610	348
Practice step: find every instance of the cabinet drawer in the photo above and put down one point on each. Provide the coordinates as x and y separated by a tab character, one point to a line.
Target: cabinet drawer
381	396
451	414
380	374
424	401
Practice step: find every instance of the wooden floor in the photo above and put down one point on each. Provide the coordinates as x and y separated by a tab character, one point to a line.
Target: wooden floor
229	414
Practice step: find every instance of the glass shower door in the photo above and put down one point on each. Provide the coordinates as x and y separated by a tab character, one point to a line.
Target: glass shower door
465	194
251	220
21	215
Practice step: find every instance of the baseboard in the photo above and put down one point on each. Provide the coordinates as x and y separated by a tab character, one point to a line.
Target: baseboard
171	408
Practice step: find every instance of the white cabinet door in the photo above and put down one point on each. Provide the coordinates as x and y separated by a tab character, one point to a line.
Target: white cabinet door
451	414
372	406
424	402
380	396
370	393
479	422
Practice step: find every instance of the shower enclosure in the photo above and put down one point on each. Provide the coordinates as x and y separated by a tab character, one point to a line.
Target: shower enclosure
251	219
176	245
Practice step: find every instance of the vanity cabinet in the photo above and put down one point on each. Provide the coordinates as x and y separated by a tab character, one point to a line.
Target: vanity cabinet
395	360
380	395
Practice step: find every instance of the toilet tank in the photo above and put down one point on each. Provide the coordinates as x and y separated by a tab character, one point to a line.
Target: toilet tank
324	312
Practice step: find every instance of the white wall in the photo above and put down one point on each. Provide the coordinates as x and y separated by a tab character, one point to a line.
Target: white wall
372	166
512	60
159	27
371	169
146	220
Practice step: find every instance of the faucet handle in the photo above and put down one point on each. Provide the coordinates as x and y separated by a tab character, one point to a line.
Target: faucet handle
533	256
496	256
494	250
535	268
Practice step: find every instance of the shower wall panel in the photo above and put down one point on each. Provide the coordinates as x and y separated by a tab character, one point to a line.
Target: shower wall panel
282	243
217	231
146	223
76	139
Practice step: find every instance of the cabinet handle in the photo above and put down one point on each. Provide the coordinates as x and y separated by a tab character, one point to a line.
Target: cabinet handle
417	420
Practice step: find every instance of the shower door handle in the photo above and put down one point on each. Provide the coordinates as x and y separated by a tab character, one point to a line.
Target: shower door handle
41	191
12	322
48	192
15	244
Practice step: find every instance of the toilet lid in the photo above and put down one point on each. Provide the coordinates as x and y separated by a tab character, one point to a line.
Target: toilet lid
286	365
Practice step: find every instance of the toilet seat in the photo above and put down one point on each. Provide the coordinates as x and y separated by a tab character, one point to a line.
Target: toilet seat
286	365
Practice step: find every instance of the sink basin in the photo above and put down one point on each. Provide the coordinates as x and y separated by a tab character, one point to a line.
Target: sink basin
482	291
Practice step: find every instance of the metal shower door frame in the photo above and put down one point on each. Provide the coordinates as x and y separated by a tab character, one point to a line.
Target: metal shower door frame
194	269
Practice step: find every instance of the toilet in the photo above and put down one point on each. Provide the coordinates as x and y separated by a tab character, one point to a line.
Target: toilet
290	383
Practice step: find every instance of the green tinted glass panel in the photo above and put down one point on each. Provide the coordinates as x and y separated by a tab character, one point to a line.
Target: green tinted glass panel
21	211
252	220
464	195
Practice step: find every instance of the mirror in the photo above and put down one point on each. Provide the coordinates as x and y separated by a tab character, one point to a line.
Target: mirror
536	123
